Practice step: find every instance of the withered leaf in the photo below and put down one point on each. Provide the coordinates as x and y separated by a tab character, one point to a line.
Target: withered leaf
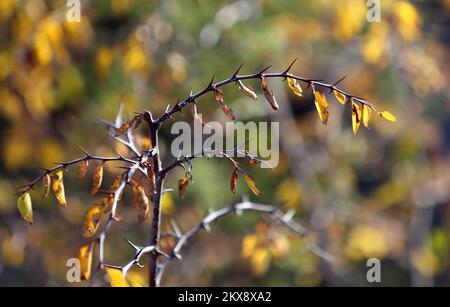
84	165
356	117
367	112
340	97
97	178
58	187
251	184
234	178
142	202
388	116
321	106
46	182
295	87
247	90
92	220
85	257
269	94
25	207
218	95
182	185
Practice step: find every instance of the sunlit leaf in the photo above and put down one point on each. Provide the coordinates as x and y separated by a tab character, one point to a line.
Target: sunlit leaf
92	220
25	207
268	94
367	112
249	245
251	184
388	116
340	97
85	257
321	106
356	117
247	90
116	278
295	87
84	165
46	182
234	178
58	187
97	178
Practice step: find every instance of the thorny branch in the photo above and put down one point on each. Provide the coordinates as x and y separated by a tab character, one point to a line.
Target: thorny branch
152	159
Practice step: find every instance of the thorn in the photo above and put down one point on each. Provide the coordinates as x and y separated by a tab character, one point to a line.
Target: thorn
210	85
132	245
289	68
264	70
339	81
237	71
175	228
84	151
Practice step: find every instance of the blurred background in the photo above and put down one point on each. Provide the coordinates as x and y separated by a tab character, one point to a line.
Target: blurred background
383	193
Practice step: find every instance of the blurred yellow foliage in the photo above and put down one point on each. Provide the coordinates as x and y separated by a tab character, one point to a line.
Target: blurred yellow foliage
366	242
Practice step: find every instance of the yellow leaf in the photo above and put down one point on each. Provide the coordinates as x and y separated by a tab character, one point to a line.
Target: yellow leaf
182	185
92	220
25	207
46	181
85	257
295	87
388	116
340	97
248	245
251	184
367	111
97	178
356	117
321	106
116	278
58	187
260	261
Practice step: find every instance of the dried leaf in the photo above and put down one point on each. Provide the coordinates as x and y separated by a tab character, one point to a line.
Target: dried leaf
84	165
218	94
251	184
92	220
234	178
182	185
321	106
367	112
388	116
151	180
25	207
97	178
46	182
247	90
195	114
295	87
115	277
123	128
340	97
58	187
356	117
269	94
85	257
141	202
107	203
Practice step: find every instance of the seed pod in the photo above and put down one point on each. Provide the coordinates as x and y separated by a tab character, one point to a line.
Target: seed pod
58	187
84	165
25	207
46	181
97	178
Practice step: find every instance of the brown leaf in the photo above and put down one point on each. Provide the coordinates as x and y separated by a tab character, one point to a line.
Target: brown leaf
182	185
269	94
234	178
247	90
195	114
58	187
218	95
97	178
141	202
46	182
251	184
84	165
123	128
